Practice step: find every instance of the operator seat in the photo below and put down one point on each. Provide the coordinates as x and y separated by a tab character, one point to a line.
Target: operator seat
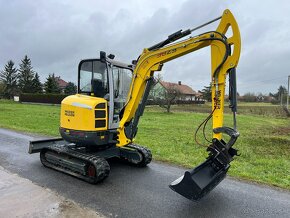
98	88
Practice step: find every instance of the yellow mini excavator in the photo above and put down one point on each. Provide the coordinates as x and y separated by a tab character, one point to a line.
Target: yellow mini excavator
101	121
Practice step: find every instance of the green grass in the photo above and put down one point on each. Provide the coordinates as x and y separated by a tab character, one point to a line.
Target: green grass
264	141
263	109
264	144
41	119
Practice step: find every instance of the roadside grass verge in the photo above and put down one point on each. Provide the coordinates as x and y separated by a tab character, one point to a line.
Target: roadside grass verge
264	141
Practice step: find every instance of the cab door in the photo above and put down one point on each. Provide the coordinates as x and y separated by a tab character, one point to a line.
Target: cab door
119	89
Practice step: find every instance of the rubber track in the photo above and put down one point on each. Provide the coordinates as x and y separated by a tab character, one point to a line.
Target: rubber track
145	152
101	165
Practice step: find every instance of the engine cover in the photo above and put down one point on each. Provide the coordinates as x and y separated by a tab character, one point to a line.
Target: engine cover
85	113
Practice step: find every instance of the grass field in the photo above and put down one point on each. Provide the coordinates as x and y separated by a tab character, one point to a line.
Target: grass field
264	141
263	109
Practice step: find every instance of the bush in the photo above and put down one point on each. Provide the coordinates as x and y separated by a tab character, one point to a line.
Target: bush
249	97
42	98
275	101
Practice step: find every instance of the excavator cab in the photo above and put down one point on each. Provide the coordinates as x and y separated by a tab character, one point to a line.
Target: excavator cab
107	79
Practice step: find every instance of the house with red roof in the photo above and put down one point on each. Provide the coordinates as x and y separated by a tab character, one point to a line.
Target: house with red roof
61	83
185	92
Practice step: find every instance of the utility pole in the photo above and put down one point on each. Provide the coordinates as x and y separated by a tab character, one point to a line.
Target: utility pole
288	92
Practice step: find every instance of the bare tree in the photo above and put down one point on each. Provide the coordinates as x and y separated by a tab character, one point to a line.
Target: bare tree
167	95
171	94
156	88
164	93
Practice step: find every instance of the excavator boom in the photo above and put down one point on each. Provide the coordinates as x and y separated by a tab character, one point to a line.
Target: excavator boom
225	53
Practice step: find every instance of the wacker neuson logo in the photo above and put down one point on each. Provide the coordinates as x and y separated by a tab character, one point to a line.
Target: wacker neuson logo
69	113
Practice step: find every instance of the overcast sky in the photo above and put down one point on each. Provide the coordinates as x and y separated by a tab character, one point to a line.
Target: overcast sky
57	34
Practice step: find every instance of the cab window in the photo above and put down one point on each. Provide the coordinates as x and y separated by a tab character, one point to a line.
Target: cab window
94	78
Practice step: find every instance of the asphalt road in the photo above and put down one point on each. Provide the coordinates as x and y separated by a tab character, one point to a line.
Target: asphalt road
143	192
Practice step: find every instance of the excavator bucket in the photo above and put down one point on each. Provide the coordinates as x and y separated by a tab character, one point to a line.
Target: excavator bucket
198	182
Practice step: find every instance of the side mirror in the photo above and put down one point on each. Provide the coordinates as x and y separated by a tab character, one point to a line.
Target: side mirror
111	56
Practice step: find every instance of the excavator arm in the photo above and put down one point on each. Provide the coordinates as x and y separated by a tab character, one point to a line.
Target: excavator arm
225	53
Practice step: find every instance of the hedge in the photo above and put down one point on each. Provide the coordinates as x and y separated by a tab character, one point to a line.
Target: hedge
57	98
157	102
42	98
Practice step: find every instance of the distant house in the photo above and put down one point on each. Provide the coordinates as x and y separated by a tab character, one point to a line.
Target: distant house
61	83
186	93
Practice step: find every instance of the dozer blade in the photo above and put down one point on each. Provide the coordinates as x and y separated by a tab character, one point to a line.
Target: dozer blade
196	183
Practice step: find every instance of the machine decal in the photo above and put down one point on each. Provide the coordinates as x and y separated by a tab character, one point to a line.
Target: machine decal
69	113
166	53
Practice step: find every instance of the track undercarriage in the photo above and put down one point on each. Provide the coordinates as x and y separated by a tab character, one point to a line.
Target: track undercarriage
87	164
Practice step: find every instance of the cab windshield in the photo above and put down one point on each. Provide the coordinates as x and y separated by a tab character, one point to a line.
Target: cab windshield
93	78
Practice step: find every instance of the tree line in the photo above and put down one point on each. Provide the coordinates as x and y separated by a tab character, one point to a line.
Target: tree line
275	98
14	81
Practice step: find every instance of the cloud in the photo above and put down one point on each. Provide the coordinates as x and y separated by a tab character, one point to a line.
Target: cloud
56	35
